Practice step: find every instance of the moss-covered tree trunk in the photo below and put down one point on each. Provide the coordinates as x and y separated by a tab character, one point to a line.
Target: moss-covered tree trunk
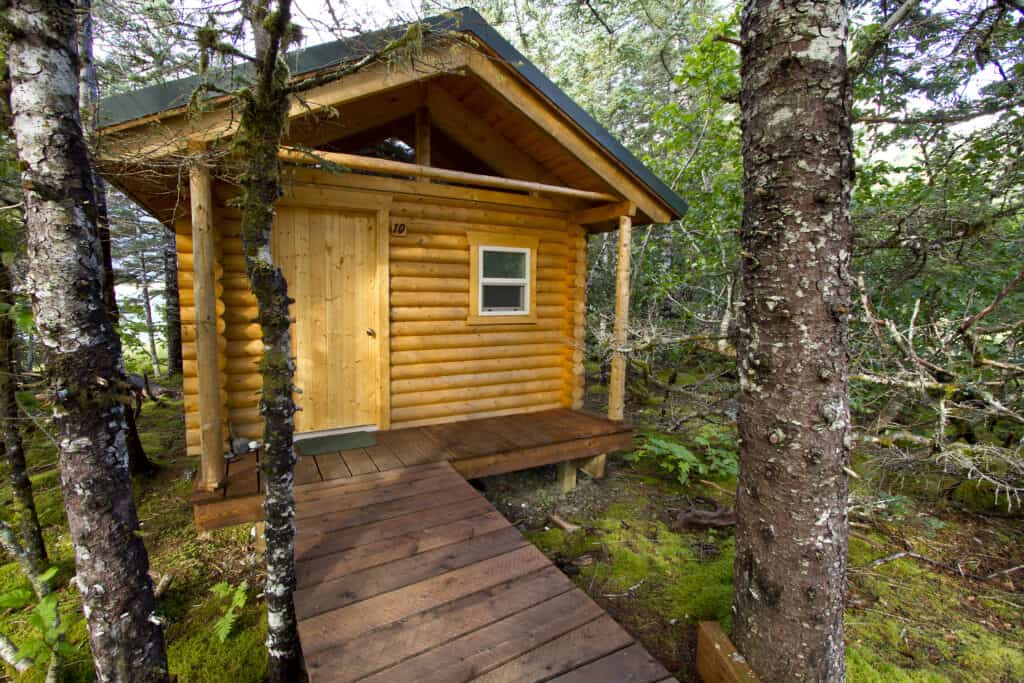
12	452
264	117
172	305
87	385
794	418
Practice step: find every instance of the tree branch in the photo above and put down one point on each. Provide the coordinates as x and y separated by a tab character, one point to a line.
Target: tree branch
983	313
860	60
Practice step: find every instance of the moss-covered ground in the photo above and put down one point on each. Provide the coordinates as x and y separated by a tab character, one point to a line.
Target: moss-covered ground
194	564
906	620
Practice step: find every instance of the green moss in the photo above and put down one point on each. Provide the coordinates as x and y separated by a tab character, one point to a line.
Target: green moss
196	655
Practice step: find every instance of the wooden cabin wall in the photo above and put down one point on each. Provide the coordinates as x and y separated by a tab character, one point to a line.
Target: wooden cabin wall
445	369
442	368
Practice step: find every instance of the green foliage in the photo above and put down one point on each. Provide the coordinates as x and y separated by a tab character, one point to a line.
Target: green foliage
681	462
236	597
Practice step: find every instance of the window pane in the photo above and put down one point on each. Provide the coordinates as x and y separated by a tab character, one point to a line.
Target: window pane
504	264
503	297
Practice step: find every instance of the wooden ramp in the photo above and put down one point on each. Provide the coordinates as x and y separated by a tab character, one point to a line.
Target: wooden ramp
411	575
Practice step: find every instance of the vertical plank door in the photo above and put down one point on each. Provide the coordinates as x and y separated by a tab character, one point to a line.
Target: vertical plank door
329	258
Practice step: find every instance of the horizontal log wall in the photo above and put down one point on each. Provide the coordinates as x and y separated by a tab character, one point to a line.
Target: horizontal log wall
444	368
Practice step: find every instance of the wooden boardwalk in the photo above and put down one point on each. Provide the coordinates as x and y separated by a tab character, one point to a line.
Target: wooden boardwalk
411	575
476	448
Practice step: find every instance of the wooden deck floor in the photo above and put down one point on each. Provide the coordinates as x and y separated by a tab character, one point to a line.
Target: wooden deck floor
411	575
476	448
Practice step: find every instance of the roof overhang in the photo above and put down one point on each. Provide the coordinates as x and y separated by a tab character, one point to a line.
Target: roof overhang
155	125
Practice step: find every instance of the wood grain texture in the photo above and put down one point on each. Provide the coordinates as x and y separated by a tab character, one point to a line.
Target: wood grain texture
452	592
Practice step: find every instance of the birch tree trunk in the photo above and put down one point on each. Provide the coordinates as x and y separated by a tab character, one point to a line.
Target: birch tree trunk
264	117
87	385
23	505
794	420
172	305
89	96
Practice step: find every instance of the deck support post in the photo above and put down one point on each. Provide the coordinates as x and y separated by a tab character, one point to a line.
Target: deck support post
567	475
212	466
617	383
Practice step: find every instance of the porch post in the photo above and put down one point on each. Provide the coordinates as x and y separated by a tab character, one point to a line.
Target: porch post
617	385
212	465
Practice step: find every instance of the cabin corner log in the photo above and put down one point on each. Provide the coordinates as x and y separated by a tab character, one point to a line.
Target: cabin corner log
204	263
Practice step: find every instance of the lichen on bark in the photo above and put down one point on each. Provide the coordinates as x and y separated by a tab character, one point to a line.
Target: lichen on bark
86	382
794	420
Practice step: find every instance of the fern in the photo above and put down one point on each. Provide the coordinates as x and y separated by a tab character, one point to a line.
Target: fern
236	597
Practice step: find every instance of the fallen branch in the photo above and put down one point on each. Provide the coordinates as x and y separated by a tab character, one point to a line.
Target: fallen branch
9	653
948	566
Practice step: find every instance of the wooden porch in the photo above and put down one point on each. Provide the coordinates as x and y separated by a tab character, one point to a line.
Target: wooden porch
475	448
411	575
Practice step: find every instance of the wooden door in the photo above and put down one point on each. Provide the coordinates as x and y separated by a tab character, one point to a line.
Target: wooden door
330	259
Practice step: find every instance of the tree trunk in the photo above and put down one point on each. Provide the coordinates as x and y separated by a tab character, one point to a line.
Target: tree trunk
172	305
12	452
87	385
794	420
264	117
147	305
89	94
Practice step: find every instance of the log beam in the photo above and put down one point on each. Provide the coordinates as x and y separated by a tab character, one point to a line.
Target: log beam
599	214
212	466
400	168
423	139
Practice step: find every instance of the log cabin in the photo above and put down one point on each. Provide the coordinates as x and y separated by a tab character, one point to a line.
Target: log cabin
433	232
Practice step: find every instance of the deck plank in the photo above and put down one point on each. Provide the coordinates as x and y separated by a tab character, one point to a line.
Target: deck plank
332	466
383	457
592	641
334	628
362	557
358	461
356	587
477	448
492	646
382	648
306	471
311	545
631	665
435	585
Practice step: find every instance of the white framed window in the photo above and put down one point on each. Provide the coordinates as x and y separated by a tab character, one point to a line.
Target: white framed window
504	280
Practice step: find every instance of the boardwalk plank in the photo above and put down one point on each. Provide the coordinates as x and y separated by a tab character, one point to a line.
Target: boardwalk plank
381	494
496	644
631	665
367	482
342	519
332	629
580	646
334	593
384	647
309	545
309	572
